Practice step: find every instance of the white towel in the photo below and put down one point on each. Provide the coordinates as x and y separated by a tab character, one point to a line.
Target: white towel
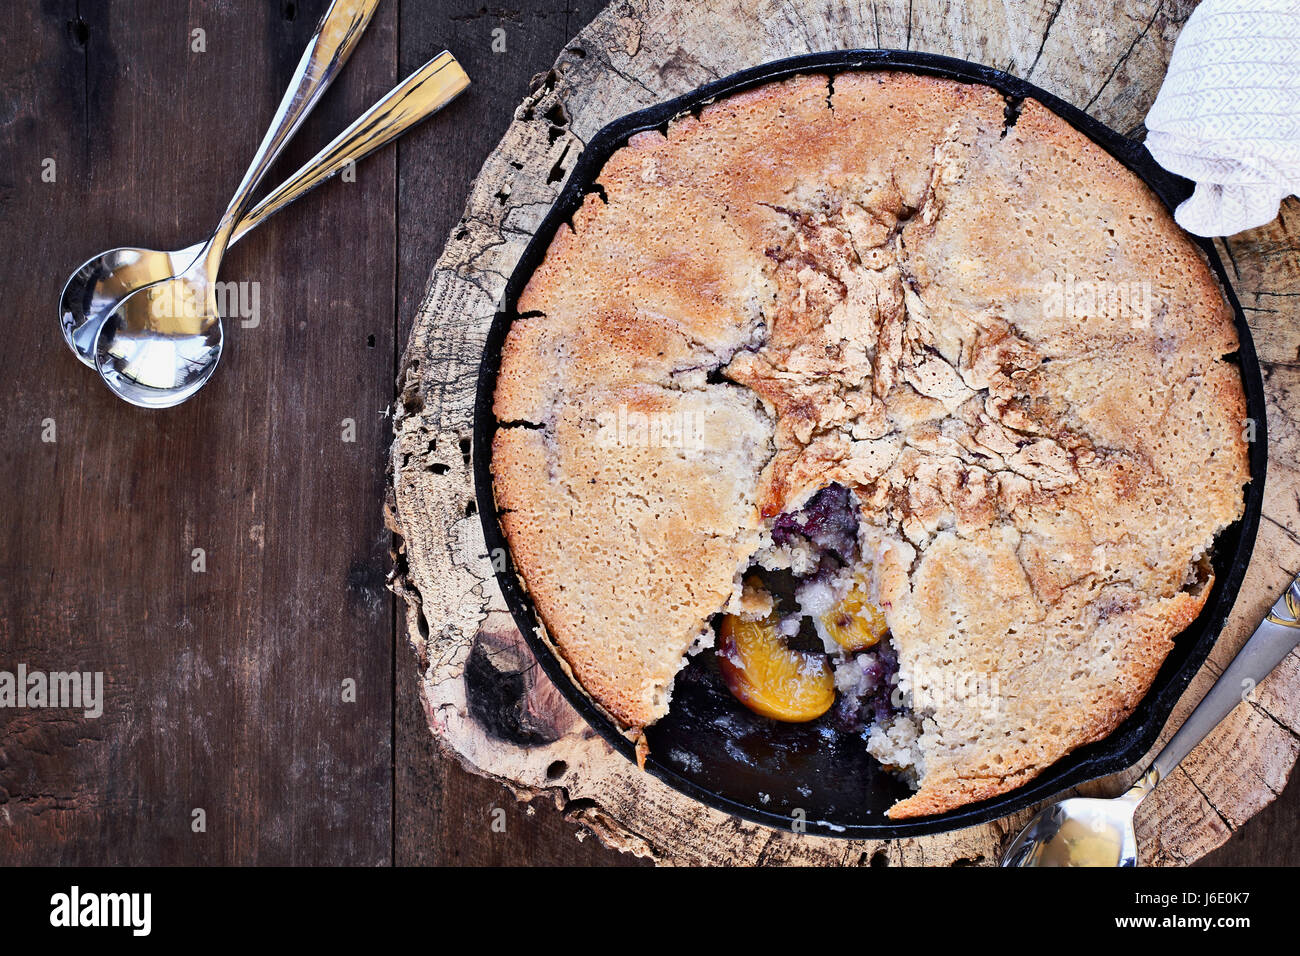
1228	114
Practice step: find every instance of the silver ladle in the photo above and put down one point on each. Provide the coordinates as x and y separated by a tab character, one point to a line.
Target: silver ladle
162	342
1084	831
94	290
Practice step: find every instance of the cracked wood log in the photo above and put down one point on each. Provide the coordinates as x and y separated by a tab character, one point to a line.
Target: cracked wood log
487	704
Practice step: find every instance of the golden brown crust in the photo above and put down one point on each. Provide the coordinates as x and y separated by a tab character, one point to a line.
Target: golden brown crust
593	503
996	336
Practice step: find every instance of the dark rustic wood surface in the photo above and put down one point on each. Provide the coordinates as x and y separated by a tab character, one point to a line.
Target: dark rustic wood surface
224	688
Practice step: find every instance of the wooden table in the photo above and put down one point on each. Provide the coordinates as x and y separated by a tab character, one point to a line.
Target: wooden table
228	673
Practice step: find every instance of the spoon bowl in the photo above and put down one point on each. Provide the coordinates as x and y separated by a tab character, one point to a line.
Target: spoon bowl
1081	831
102	281
162	342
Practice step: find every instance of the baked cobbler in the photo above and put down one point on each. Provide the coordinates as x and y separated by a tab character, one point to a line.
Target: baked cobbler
936	358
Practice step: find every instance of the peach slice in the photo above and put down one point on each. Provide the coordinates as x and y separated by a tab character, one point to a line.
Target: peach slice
770	678
855	624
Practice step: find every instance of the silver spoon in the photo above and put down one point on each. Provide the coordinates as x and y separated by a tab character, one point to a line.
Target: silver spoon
162	342
1084	831
94	290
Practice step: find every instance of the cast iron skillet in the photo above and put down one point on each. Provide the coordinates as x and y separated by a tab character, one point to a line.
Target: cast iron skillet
711	747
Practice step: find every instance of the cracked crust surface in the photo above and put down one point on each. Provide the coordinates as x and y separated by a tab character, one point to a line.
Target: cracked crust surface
993	333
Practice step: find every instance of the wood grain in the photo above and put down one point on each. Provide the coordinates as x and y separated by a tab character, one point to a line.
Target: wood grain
1108	57
444	812
224	688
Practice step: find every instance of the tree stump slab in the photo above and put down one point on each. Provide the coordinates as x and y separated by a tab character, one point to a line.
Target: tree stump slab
487	702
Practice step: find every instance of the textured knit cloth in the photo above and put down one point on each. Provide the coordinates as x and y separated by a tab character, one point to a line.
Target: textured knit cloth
1228	114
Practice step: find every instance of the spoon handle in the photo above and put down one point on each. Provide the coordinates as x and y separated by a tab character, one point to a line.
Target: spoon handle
332	43
416	98
1268	646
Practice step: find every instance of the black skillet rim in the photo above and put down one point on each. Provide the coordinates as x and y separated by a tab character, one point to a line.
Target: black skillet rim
1135	736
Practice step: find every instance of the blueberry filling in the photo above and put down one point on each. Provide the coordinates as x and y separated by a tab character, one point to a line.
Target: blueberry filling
857	712
808	642
828	522
815	558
